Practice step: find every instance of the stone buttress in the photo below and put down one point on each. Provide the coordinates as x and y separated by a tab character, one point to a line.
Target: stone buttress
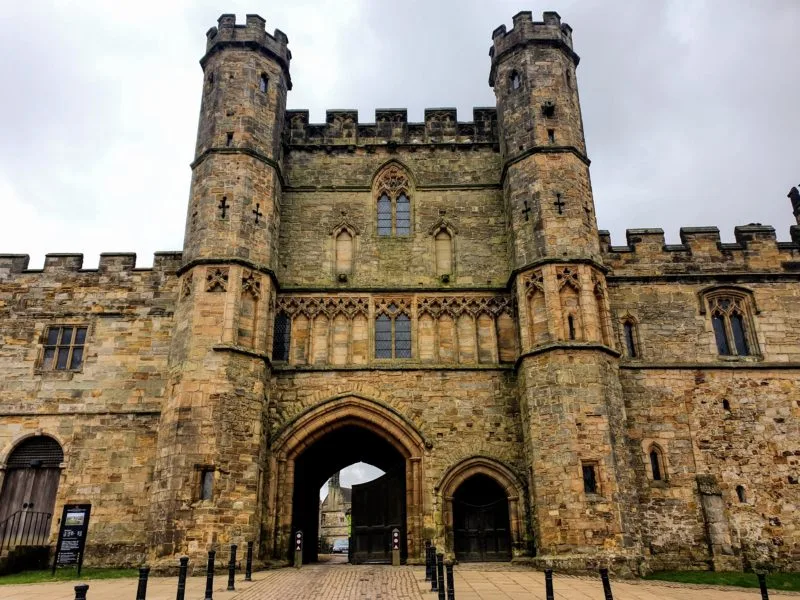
209	467
570	396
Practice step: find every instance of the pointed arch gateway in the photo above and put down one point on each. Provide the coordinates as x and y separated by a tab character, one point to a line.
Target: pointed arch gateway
475	530
342	430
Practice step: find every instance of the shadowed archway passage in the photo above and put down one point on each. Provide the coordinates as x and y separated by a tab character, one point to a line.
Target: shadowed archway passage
481	521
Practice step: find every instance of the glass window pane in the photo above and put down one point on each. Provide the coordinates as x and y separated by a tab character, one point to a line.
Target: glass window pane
77	358
629	340
383	337
281	337
403	215
739	338
66	336
47	362
384	215
719	334
52	336
63	356
80	336
402	337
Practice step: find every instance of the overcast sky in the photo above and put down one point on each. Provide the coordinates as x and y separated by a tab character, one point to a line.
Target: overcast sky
690	108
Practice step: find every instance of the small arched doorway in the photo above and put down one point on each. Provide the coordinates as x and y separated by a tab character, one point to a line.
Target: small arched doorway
481	524
29	490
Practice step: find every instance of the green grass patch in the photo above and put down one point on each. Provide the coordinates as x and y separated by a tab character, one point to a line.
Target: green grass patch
67	574
787	582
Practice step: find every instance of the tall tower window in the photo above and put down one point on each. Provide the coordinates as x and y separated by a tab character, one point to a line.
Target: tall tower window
732	322
393	193
589	478
630	336
515	80
262	83
282	337
657	469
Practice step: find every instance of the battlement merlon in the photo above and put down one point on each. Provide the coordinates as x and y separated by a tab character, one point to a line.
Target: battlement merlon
252	35
110	262
548	32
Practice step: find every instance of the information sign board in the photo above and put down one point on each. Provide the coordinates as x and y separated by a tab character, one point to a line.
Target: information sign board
72	536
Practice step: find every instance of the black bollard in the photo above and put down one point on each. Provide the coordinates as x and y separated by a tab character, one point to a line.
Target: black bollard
440	575
762	583
182	578
210	576
248	571
451	590
80	591
548	584
428	560
232	569
606	584
434	581
141	591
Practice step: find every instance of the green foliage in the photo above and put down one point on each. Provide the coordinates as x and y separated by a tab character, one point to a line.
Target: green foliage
67	574
775	581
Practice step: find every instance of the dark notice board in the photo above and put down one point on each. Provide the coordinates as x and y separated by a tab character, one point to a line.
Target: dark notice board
72	536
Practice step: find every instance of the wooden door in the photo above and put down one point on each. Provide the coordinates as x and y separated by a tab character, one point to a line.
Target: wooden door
481	527
378	507
26	504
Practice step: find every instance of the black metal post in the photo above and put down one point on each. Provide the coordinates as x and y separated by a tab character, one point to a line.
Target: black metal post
548	584
210	576
440	575
434	581
80	591
451	590
182	578
232	569
606	584
762	583
248	570
428	560
141	591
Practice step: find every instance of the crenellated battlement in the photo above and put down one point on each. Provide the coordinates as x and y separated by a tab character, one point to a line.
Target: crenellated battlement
550	31
253	34
701	250
110	262
391	126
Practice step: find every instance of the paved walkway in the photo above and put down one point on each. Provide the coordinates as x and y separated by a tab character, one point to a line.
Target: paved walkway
331	581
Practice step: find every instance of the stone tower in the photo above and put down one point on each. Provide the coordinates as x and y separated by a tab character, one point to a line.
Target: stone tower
570	395
211	448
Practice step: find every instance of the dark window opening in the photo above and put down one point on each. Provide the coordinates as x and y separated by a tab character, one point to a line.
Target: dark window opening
383	337
64	348
206	484
571	325
229	138
630	340
740	493
402	337
589	479
739	339
719	334
282	337
655	464
210	79
516	82
726	405
551	136
262	83
384	215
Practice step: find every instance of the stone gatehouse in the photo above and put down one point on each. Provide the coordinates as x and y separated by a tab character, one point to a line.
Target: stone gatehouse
434	299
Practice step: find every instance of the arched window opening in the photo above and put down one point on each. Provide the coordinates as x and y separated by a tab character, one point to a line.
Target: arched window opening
740	493
630	339
344	253
732	323
282	337
262	83
384	215
443	249
392	188
571	326
515	80
657	463
403	215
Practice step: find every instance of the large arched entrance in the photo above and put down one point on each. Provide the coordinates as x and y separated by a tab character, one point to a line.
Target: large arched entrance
29	488
482	510
323	440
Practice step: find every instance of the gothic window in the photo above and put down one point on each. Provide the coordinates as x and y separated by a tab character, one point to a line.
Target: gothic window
630	334
282	337
393	193
657	469
589	478
262	83
515	80
63	348
392	334
732	323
